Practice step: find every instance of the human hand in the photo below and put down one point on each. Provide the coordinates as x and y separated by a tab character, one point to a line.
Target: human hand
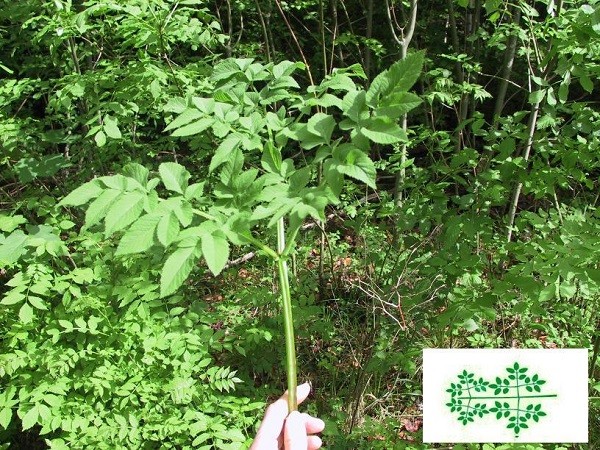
279	430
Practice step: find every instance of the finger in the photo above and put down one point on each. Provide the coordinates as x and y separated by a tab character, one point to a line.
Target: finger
314	442
294	437
313	424
302	392
272	424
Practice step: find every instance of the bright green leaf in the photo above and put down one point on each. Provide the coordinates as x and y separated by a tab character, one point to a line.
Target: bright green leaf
82	194
322	125
12	298
360	167
30	418
184	213
100	138
176	269
12	247
215	249
167	229
194	191
37	302
401	76
271	158
397	105
383	131
354	106
194	128
98	208
140	236
26	313
536	97
123	212
5	417
224	151
174	176
111	128
184	118
138	172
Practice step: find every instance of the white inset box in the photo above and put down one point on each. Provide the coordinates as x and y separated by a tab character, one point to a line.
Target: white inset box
505	395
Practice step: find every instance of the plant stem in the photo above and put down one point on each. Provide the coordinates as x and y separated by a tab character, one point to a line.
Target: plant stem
288	322
595	354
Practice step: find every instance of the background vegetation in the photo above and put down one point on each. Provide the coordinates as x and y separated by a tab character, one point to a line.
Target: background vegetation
450	202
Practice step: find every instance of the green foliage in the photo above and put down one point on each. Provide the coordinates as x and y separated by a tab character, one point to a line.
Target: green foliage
173	162
98	334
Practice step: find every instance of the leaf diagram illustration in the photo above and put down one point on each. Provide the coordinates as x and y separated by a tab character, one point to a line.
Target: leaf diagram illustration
515	398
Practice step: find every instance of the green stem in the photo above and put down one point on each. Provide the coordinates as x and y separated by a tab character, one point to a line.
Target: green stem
290	242
265	248
288	322
507	397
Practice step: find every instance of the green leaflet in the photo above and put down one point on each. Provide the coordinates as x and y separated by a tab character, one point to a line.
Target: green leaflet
30	418
174	176
100	138
5	417
26	313
224	151
138	172
184	213
123	212
194	128
168	229
536	97
12	248
177	268
321	125
215	249
184	118
397	105
355	164
10	223
97	209
271	158
355	107
140	236
111	128
399	77
383	131
82	194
